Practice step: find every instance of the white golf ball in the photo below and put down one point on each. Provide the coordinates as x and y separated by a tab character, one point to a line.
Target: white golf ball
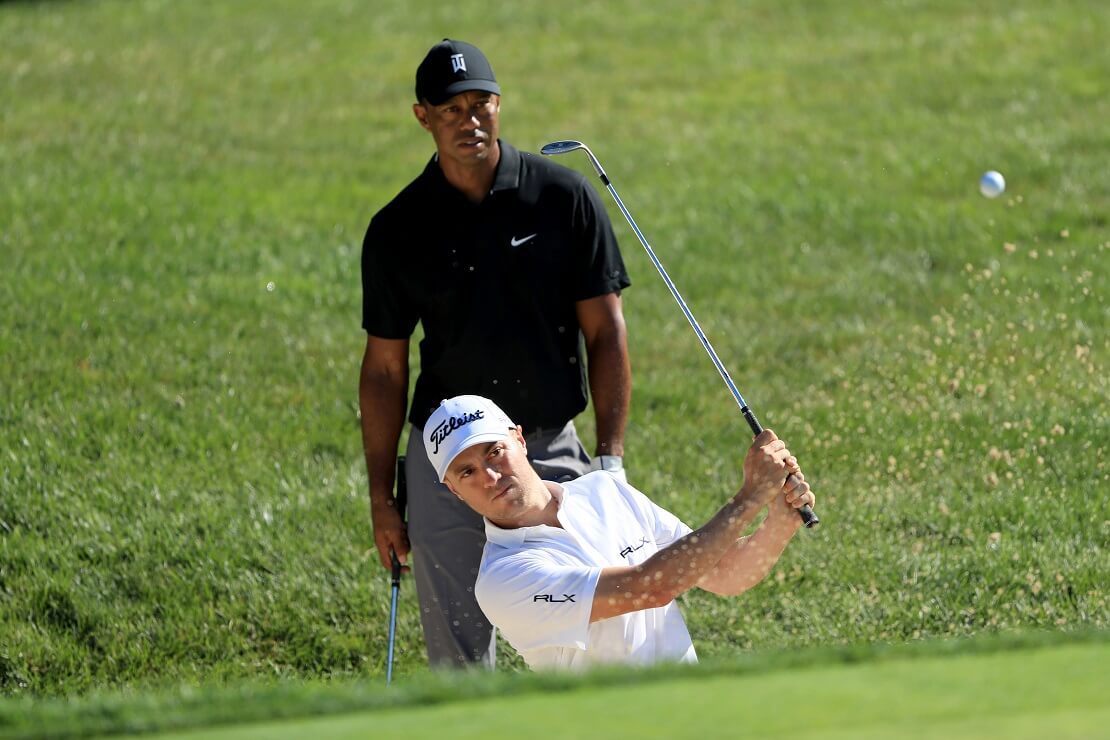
991	184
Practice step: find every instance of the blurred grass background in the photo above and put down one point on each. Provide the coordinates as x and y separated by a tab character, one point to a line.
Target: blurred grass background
183	193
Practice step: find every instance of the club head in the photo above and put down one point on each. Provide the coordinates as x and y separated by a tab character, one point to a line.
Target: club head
561	147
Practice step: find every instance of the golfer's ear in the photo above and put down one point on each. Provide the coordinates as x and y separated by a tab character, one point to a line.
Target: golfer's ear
519	432
451	488
421	114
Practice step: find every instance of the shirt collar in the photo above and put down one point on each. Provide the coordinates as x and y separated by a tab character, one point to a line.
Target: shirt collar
508	168
507	176
517	537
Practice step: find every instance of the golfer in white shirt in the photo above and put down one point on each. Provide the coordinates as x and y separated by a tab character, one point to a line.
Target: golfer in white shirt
586	572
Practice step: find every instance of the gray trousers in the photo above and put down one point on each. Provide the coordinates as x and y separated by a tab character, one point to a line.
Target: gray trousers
447	538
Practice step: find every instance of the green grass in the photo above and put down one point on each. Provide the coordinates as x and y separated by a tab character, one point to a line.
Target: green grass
183	192
1018	684
1016	695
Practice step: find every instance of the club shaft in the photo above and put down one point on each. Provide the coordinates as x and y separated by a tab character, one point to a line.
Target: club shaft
395	584
682	304
806	512
392	636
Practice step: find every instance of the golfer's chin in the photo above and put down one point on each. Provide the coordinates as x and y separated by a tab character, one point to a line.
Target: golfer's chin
473	149
506	506
510	495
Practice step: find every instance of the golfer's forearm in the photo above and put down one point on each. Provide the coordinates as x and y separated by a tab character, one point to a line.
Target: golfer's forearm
382	406
611	387
750	559
673	570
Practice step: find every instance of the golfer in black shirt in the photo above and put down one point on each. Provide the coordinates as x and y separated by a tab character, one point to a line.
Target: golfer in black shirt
509	263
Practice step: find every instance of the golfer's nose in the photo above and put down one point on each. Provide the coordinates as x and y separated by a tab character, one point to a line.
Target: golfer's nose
492	476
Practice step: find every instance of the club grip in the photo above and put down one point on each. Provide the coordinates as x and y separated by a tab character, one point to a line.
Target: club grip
395	568
806	512
402	493
401	498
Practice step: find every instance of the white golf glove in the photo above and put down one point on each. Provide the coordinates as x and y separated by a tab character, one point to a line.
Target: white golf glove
611	464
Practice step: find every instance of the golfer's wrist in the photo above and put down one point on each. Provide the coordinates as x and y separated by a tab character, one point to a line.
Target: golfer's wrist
781	515
735	516
608	463
746	503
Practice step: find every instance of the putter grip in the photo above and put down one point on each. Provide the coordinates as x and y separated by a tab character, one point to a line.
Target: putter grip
806	512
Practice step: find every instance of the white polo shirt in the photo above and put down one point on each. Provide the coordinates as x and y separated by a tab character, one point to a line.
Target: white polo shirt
536	584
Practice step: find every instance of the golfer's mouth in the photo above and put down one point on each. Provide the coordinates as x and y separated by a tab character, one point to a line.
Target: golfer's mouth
504	489
472	142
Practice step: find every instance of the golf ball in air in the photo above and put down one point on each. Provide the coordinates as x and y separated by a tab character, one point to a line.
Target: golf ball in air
991	184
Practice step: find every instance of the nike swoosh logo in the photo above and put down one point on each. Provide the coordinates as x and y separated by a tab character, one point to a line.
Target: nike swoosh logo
517	242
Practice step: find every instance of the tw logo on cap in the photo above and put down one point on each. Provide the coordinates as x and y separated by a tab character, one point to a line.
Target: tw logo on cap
458	63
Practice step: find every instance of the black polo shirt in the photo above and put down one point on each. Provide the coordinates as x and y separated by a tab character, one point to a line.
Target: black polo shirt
494	285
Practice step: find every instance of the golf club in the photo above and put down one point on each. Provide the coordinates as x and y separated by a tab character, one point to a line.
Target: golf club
563	147
395	578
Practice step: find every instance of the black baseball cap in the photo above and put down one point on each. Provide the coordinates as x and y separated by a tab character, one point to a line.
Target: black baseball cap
452	67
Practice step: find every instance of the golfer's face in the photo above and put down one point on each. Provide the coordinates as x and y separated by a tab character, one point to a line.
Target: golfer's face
465	128
489	477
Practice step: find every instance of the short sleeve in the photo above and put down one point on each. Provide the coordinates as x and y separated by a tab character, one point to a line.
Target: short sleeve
601	267
666	526
388	311
537	604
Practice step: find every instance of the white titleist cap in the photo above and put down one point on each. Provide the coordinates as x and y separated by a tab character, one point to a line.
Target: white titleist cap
461	422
